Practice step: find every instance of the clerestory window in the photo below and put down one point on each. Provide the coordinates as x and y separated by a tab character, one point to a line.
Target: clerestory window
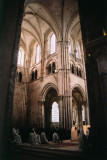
53	67
52	44
20	77
77	51
37	54
20	58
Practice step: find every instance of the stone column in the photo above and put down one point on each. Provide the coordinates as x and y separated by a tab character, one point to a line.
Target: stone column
80	123
96	67
60	100
41	114
10	29
64	86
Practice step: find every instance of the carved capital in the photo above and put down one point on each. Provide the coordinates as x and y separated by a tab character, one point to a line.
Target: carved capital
64	43
41	103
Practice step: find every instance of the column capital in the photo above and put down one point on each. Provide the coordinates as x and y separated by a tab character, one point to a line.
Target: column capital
84	103
41	101
64	96
66	43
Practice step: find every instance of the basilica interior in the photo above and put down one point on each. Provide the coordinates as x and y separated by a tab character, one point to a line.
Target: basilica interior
50	84
53	73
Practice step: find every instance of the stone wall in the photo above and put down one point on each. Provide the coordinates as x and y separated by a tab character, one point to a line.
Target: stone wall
19	103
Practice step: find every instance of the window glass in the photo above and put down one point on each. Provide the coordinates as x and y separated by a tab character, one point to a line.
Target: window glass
77	51
20	58
20	77
55	112
33	75
83	113
72	68
53	67
52	44
37	54
74	116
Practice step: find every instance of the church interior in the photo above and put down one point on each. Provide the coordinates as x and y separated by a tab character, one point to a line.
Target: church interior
53	71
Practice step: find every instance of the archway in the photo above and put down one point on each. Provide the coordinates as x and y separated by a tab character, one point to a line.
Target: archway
78	113
51	109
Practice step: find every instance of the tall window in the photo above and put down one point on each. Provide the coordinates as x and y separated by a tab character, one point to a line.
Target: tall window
52	44
72	69
80	73
55	112
77	51
69	46
74	116
33	75
20	58
77	72
83	113
20	77
53	67
37	54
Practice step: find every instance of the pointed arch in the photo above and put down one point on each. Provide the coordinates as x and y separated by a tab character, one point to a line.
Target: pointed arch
46	89
81	90
40	10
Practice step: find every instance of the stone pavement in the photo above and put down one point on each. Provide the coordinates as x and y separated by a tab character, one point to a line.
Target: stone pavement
65	145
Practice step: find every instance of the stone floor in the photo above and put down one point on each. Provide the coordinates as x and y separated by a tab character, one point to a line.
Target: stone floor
65	145
66	150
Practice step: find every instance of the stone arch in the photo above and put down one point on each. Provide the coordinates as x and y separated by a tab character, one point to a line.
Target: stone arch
50	62
22	45
35	70
81	90
45	90
79	108
47	37
72	24
37	34
73	62
47	17
48	34
48	95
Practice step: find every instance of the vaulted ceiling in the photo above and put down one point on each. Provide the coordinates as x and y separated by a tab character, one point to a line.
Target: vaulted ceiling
39	18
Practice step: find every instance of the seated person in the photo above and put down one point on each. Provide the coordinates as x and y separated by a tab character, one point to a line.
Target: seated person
34	138
43	138
56	138
16	136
